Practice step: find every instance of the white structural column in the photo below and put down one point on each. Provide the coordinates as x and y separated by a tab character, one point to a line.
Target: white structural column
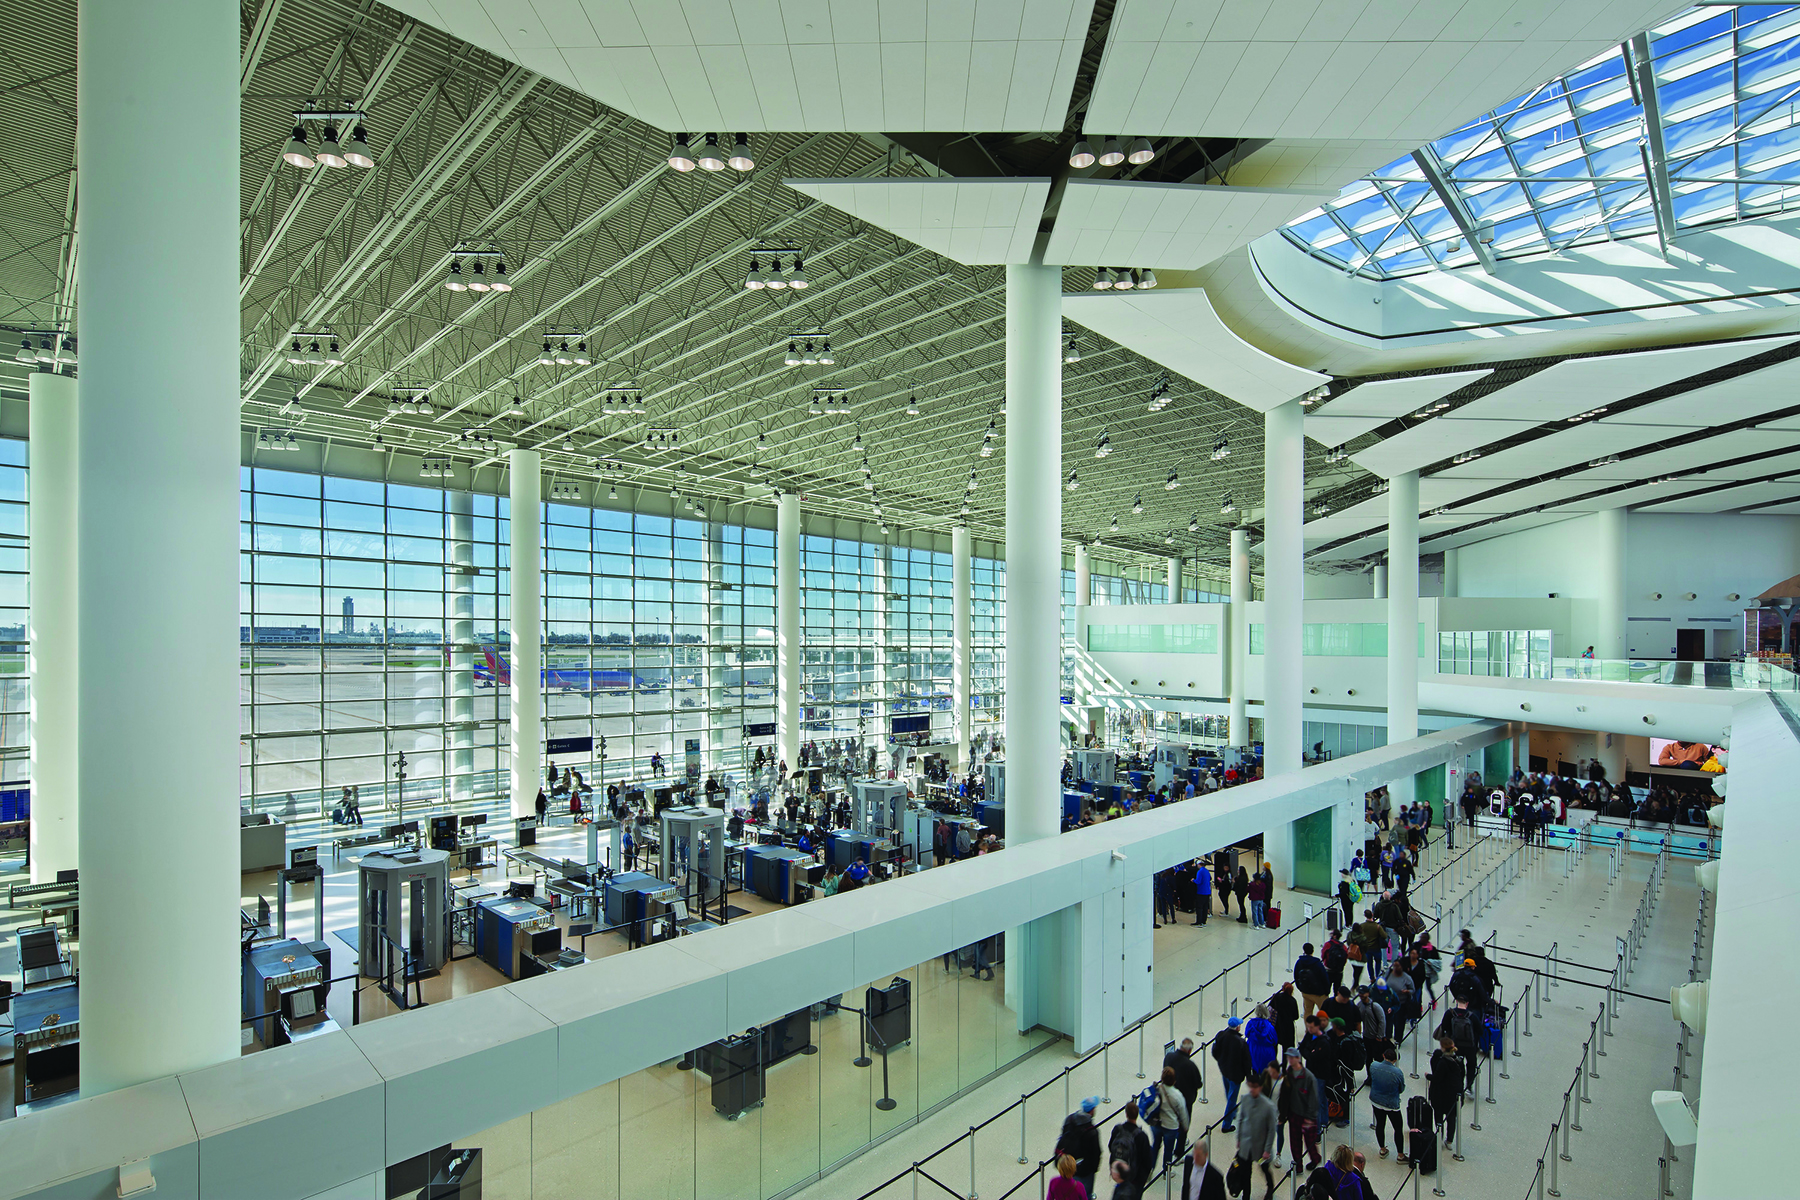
54	636
158	450
961	633
461	684
1033	552
1378	579
1084	576
1453	572
1609	562
1174	585
1237	624
787	628
527	623
1283	498
1403	612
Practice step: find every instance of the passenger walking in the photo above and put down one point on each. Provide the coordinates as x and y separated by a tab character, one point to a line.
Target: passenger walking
1200	1180
1202	892
1170	1118
1065	1186
1386	1083
1232	1055
1079	1143
1257	1123
1299	1106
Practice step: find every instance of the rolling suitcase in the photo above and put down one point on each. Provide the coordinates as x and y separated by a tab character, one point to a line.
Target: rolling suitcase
1334	920
1272	916
1421	1147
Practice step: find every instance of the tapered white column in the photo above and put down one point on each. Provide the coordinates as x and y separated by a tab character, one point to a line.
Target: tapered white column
1378	580
1174	584
1403	610
961	630
460	579
526	621
1237	621
1283	497
787	628
54	636
1609	571
1084	576
1033	552
158	455
1453	572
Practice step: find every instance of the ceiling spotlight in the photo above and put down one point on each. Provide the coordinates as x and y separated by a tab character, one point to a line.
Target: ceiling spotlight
568	444
499	283
755	280
477	277
1141	152
1221	449
1226	505
357	152
674	492
912	407
1074	481
856	443
1082	155
1169	538
455	281
1194	523
1131	280
1110	153
1103	447
972	480
740	159
1103	280
612	493
773	279
332	357
798	280
986	451
544	359
965	509
1071	353
581	355
1173	482
330	153
27	355
1146	279
1137	504
825	355
793	353
709	158
563	358
688	502
295	153
681	158
1115	525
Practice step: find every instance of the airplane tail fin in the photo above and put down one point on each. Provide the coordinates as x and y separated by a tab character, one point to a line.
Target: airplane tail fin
497	665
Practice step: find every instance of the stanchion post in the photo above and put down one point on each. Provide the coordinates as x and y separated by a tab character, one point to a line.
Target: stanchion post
1140	1050
1565	1128
1023	1097
1105	1072
1490	1071
972	1195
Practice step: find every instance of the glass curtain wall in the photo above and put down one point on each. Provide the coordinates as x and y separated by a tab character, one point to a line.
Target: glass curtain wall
15	682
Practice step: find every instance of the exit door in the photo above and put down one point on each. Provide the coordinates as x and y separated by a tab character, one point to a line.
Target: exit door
1690	645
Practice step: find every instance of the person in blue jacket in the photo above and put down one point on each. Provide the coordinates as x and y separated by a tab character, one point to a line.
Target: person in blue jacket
1202	892
1259	1035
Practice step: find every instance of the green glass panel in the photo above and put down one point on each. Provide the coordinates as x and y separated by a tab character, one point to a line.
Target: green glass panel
1428	786
1496	762
1312	853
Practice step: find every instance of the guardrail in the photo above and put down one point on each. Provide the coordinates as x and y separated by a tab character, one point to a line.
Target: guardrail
1482	891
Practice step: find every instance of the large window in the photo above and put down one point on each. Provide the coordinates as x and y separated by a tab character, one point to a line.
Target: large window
1155	639
1515	653
15	683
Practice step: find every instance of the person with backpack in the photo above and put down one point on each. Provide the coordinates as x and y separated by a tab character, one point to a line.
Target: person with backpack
1370	941
1311	977
1299	1103
1232	1055
1167	1113
1349	895
1202	892
1257	1122
1335	957
1080	1141
1386	1083
1320	1057
1129	1145
1341	1006
1284	1011
1349	1055
1261	1039
1444	1088
1461	1028
1467	985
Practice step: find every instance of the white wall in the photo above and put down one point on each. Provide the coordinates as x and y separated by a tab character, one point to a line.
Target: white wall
1361	585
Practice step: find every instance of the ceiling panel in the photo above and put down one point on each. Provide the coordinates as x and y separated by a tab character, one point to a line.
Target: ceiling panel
1368	406
1168	226
1696	456
1751	395
1329	529
1432	441
972	221
1514	500
1564	389
1495	529
1178	328
1433	493
1790	509
1631	497
1742	496
1564	448
1357	549
805	64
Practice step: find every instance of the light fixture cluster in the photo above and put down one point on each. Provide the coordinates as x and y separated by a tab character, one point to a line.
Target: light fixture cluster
711	156
560	354
1123	279
1221	448
661	439
1227	504
1313	397
1194	523
1589	415
830	402
987	438
1137	504
1337	454
1433	411
1320	508
1380	488
1112	152
1606	460
331	153
776	277
803	350
413	401
52	349
314	350
1174	480
436	468
1467	456
1103	448
1074	481
278	440
1160	396
565	491
479	438
486	271
622	402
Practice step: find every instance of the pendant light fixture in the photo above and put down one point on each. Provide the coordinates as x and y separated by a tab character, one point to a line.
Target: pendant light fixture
330	153
755	280
1110	153
1141	152
681	158
357	152
740	159
1082	156
775	281
710	159
295	153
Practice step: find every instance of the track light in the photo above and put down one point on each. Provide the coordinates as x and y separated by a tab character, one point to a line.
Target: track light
357	153
1226	505
1074	481
1173	482
1141	152
681	158
330	153
1137	504
1110	153
773	279
455	281
1103	447
1082	155
709	158
1071	353
295	153
1103	280
740	159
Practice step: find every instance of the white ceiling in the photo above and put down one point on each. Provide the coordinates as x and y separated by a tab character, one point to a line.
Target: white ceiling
821	66
1726	403
974	221
1408	70
1433	493
1369	406
1484	532
1694	456
1581	385
1565	448
1723	501
1778	510
1168	226
1433	440
1178	328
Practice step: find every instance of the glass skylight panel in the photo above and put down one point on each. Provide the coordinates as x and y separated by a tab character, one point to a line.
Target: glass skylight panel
1562	166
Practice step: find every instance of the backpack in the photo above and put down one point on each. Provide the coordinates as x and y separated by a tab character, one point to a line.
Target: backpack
1356	892
1149	1103
1120	1146
1461	1024
1352	1053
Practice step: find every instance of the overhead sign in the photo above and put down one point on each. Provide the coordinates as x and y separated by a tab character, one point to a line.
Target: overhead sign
568	745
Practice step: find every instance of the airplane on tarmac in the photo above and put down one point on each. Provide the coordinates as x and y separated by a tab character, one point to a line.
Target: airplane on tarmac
496	670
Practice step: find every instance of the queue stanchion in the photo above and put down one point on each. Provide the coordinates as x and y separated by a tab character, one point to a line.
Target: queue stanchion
1023	1097
1140	1073
1553	1160
1105	1072
972	1195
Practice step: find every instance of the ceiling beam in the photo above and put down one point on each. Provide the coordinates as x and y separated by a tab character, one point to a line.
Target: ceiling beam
1641	70
1453	204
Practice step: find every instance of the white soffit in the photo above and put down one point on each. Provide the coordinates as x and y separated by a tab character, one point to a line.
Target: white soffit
1632	497
1368	406
1483	533
1329	529
1178	328
1356	549
1577	386
1564	448
1168	226
1790	509
1742	496
1551	491
1433	493
1340	68
973	221
1724	403
1433	440
825	66
1767	465
1695	456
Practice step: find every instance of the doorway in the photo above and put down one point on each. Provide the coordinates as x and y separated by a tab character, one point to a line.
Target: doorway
1690	645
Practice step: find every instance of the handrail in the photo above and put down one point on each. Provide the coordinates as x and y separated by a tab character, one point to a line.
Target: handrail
1480	889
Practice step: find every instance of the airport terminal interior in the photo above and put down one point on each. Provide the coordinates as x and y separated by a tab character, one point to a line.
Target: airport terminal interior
878	599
